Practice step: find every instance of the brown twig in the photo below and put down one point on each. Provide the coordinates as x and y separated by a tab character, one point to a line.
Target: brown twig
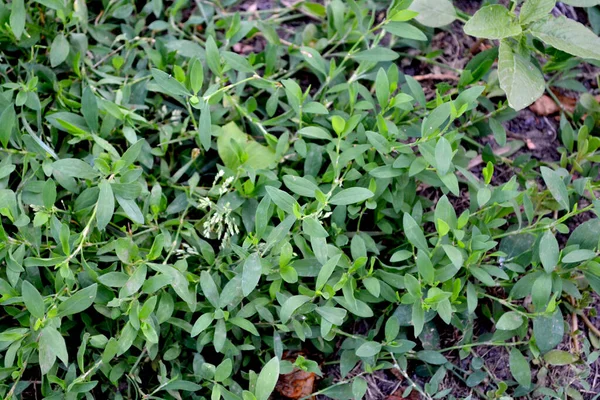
436	77
590	325
574	326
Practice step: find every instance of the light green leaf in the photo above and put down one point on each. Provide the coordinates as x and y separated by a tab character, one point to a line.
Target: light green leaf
454	255
251	273
405	30
414	233
533	10
267	379
443	155
168	84
259	157
351	196
548	331
557	187
75	168
368	349
520	79
291	305
560	357
59	50
434	13
17	18
509	321
314	132
376	54
582	3
300	186
33	300
519	368
549	251
106	205
237	62
79	302
202	323
568	35
492	22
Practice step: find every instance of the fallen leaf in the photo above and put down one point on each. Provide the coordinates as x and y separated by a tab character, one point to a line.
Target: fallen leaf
397	395
297	384
544	106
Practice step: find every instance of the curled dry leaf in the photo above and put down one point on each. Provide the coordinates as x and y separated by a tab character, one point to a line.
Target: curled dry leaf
297	384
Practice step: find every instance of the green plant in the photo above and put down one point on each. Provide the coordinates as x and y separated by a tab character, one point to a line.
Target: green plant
177	216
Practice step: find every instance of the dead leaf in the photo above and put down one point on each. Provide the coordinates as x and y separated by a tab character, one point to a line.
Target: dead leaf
297	384
397	395
544	106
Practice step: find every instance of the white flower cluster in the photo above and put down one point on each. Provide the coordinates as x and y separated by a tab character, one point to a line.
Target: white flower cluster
219	223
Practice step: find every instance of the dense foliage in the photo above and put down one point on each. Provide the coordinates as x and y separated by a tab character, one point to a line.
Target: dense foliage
191	197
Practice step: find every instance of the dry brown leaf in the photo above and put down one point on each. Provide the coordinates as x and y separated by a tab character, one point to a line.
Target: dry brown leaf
297	384
397	395
544	106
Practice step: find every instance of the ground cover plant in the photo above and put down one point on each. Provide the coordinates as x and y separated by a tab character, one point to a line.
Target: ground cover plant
245	200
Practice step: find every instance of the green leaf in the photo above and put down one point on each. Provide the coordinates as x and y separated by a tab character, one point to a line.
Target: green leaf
533	10
267	379
300	186
414	233
7	123
237	62
382	88
332	314
492	22
443	155
405	30
33	300
251	273
59	50
314	132
168	84
351	196
209	288
79	302
130	156
106	205
75	168
281	199
560	357
418	317
244	324
223	370
520	79
548	331
567	35
549	251
312	227
509	321
259	157
577	256
205	126
17	17
432	357
557	187
434	13
519	368
498	131
376	54
368	349
454	255
582	3
89	108
203	322
196	76
291	305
